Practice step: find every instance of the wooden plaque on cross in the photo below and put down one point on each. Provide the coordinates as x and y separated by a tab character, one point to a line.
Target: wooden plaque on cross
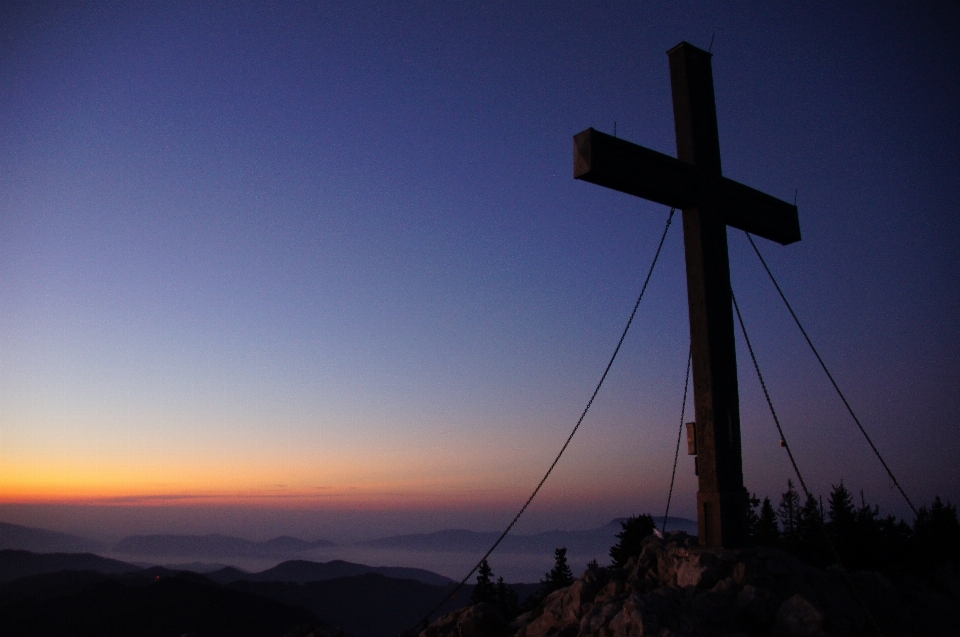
710	202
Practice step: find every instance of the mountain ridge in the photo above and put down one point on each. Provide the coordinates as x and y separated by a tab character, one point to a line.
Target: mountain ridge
28	538
214	545
596	540
15	564
305	571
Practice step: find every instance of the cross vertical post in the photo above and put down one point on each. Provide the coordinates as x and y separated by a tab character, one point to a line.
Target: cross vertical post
721	499
710	202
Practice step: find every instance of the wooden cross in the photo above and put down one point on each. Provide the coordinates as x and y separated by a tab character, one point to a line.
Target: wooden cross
710	202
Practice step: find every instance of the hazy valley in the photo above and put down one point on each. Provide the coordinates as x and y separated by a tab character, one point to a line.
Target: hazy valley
55	581
449	553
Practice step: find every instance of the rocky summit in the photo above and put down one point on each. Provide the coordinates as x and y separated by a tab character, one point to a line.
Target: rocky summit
676	588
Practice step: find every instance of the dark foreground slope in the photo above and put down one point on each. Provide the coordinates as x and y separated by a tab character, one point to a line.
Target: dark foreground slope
369	605
17	564
159	602
145	604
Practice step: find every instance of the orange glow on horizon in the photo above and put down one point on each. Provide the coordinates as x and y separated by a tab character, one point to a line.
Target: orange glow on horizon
353	480
354	499
381	495
257	489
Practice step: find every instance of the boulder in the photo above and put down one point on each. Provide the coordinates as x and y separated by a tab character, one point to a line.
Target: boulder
479	620
633	620
686	567
798	617
756	605
561	608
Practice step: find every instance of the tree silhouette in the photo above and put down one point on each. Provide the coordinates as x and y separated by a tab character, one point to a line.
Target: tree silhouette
768	533
842	513
789	512
753	519
937	535
811	517
843	523
859	536
560	576
810	542
507	599
484	590
634	530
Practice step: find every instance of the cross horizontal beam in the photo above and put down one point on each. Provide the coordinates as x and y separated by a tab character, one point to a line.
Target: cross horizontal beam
615	163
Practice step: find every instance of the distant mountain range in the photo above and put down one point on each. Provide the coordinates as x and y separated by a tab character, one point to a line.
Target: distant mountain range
303	571
17	564
590	541
213	546
65	594
25	538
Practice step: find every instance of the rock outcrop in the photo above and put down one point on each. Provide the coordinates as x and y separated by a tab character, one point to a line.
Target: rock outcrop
676	588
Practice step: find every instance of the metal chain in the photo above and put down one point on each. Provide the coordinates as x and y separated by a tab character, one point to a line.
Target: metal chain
676	453
830	376
796	469
643	289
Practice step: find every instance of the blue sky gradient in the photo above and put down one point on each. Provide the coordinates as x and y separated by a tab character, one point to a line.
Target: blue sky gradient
328	261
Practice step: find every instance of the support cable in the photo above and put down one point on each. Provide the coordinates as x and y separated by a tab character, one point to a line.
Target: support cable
830	376
766	395
426	618
676	454
796	469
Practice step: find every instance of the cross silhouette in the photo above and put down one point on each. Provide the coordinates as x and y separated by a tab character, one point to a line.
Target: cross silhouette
710	202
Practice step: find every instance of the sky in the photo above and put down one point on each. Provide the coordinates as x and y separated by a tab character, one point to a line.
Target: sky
322	268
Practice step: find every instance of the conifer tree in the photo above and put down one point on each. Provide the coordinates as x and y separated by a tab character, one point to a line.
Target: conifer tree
810	518
634	530
768	533
861	539
842	513
789	512
936	534
810	539
507	600
753	519
842	524
560	576
484	591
